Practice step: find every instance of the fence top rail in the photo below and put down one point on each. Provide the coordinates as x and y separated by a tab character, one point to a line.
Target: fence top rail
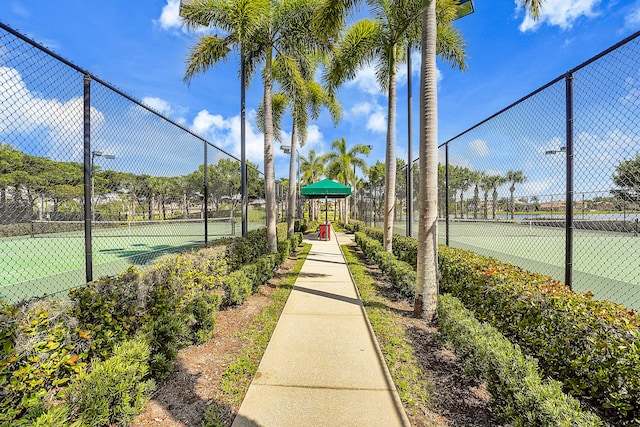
551	83
108	85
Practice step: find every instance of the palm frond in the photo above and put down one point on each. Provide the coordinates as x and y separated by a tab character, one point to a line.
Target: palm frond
208	51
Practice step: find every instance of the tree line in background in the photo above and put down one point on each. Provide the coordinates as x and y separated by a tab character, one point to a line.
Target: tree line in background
35	187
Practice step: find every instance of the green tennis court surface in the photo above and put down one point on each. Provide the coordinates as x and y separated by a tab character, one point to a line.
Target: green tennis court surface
46	263
605	263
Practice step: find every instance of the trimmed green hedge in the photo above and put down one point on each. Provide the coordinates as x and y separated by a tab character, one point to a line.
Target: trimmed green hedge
591	346
48	343
402	275
519	395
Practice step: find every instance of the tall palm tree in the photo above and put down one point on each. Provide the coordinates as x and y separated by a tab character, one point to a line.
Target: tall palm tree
495	181
305	97
311	168
486	186
269	31
341	162
425	304
464	182
476	180
381	40
237	20
514	177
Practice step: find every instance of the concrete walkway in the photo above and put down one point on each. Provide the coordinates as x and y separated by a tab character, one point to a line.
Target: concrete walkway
323	366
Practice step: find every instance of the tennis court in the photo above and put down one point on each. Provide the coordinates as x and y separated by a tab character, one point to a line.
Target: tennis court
604	262
47	262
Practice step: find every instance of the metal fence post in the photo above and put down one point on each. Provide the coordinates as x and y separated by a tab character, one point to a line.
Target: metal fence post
88	202
243	155
409	185
206	197
446	192
568	273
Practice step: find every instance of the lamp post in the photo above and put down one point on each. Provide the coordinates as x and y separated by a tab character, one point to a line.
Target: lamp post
95	154
287	150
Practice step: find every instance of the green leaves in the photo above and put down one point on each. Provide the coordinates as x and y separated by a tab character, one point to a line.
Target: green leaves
519	395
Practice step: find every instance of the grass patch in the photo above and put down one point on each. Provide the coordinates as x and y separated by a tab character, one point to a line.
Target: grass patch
237	378
408	376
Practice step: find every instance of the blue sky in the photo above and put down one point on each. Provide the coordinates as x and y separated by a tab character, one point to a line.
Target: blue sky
140	47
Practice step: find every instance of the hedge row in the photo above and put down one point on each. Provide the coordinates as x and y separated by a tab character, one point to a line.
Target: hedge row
591	346
402	275
57	350
519	395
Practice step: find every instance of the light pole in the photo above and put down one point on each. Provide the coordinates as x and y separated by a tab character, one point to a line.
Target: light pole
287	150
95	154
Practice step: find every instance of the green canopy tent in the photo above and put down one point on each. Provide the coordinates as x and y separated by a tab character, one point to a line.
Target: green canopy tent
325	189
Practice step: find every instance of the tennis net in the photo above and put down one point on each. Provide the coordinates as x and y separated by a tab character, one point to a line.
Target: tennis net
153	228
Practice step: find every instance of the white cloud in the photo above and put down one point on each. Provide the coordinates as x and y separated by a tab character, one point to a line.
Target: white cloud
632	20
560	13
205	122
377	115
366	81
25	112
170	16
377	122
479	147
361	108
225	134
158	104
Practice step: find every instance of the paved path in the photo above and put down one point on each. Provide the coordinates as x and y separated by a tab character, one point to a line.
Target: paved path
323	366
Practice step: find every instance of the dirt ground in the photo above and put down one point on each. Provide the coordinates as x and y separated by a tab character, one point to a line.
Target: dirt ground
194	384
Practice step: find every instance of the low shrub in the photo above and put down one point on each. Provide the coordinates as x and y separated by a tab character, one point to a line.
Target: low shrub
519	395
237	287
244	250
591	346
114	391
45	345
402	275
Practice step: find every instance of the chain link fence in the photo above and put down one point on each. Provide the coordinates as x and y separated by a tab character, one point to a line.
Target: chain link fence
550	183
92	180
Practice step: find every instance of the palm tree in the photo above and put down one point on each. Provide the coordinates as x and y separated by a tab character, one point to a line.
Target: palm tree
311	168
486	186
464	182
266	32
427	269
376	183
381	40
495	181
342	163
514	177
476	180
305	97
237	19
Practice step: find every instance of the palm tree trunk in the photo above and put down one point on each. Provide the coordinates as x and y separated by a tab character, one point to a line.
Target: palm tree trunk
291	209
390	172
269	172
426	301
476	197
495	203
513	204
486	203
